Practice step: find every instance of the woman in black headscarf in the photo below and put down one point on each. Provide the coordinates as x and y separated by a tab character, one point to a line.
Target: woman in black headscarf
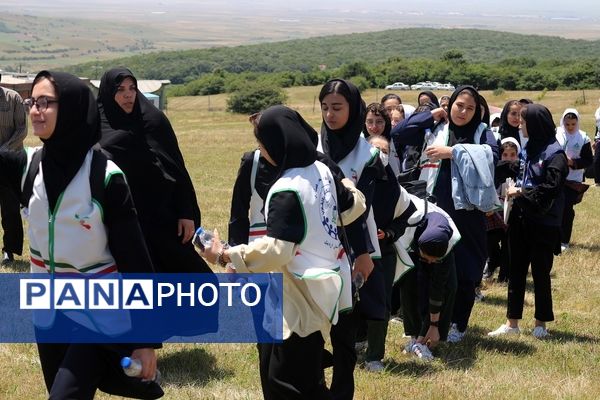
301	241
464	126
510	120
105	238
140	140
535	220
427	97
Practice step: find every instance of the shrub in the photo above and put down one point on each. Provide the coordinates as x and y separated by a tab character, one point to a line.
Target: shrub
498	92
255	97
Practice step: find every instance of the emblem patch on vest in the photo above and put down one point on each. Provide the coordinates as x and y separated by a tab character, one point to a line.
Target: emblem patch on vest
83	221
328	208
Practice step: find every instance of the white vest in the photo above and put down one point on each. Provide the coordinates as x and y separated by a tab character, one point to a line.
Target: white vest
352	166
319	259
572	144
440	137
72	239
403	245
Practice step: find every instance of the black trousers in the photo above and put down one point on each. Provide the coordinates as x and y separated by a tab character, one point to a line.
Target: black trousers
597	162
10	212
534	244
498	253
76	371
343	338
568	215
293	369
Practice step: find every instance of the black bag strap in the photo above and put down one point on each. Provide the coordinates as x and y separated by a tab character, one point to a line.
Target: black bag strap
97	175
34	167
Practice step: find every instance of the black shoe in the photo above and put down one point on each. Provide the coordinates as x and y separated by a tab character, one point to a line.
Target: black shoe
7	258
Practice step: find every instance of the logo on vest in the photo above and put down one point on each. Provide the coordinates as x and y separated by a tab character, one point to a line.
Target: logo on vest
327	208
83	221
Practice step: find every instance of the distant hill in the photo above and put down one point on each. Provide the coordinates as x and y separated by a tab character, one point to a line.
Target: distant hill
333	51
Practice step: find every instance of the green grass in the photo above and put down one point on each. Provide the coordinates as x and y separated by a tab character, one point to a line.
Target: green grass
563	367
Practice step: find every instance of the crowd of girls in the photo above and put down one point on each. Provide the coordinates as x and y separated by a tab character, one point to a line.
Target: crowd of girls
329	211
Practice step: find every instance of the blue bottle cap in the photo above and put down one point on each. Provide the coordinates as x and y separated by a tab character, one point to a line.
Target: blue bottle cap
125	362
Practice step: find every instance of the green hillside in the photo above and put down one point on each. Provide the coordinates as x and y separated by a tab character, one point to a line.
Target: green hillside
333	51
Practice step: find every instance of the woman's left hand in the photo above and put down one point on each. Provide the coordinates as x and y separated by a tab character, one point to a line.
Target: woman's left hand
436	153
185	229
211	253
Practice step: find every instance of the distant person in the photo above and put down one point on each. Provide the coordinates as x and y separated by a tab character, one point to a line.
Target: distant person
534	222
597	148
13	129
397	115
428	97
510	121
444	101
391	101
140	140
378	123
578	148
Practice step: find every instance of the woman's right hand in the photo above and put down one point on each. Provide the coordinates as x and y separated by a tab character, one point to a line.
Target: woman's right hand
364	265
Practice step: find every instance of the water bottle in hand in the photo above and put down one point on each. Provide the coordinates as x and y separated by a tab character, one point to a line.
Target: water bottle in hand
133	367
203	239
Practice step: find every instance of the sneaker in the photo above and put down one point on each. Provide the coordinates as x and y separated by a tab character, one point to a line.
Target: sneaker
505	330
479	296
7	258
454	335
360	346
396	320
374	366
540	332
564	247
408	347
422	351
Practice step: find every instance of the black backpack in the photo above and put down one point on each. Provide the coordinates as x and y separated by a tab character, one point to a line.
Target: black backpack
97	174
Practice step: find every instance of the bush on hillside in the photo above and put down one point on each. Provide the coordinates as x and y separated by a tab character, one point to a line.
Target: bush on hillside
255	97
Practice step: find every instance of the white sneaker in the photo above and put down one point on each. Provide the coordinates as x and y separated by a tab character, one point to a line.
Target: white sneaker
540	332
564	247
374	366
454	335
396	320
408	347
505	330
479	296
422	351
360	346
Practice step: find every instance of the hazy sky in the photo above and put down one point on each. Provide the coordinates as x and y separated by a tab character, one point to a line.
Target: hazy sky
579	8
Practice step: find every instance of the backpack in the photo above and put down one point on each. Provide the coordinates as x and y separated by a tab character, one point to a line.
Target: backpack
97	175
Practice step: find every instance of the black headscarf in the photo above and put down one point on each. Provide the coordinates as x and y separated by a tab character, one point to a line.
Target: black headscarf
287	137
505	129
338	143
76	131
464	134
486	111
432	98
540	129
143	138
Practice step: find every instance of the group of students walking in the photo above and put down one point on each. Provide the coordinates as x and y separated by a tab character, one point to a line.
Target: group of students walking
332	212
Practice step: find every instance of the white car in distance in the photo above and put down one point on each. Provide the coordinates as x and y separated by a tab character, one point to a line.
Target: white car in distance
397	86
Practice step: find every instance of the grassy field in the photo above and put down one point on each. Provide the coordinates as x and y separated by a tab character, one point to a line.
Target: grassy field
565	366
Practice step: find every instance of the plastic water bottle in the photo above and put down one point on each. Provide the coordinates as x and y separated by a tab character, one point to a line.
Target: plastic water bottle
358	281
203	239
133	367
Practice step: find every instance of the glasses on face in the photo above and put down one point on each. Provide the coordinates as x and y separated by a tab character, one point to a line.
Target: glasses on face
41	103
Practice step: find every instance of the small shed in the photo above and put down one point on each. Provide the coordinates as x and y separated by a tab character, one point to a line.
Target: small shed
154	99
